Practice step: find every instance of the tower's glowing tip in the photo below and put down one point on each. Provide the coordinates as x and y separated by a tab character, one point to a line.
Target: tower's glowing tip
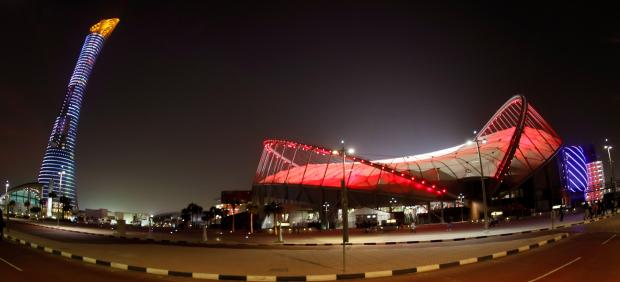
105	27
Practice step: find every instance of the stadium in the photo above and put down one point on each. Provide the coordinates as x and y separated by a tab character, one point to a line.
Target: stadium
510	155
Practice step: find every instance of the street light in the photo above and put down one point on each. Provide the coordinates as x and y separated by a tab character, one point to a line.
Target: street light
461	198
484	192
345	192
611	166
61	173
6	203
392	203
344	202
326	208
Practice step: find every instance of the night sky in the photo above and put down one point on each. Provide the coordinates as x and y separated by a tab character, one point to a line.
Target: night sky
182	96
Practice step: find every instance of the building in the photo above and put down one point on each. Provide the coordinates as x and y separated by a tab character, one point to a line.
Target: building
596	181
574	174
25	197
510	150
57	171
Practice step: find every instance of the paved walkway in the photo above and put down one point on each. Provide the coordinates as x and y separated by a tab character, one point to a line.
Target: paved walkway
424	233
293	261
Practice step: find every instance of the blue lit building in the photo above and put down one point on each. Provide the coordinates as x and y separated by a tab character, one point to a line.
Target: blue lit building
58	168
574	172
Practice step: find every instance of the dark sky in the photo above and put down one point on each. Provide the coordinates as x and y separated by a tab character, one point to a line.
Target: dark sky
182	96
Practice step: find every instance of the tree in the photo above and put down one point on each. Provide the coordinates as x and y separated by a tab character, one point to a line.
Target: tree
27	205
252	210
35	210
233	203
207	216
66	205
41	204
11	206
195	211
191	213
276	209
186	215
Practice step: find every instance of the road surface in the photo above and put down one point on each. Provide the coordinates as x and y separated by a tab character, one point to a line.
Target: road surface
591	253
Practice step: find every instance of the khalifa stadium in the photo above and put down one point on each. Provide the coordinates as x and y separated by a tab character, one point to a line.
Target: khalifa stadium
514	155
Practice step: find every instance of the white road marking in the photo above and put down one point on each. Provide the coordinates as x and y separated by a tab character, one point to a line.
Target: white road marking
607	241
12	265
552	271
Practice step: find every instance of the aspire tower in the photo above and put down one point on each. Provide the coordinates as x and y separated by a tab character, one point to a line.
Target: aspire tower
58	168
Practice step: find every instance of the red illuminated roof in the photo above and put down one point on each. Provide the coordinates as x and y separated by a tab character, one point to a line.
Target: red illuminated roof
513	144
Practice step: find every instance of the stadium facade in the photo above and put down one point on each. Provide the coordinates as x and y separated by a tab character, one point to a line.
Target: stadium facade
510	152
57	171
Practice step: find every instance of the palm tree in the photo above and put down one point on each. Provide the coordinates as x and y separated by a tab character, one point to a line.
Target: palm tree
66	205
191	213
41	204
35	209
276	209
195	211
233	203
207	216
252	210
27	205
11	207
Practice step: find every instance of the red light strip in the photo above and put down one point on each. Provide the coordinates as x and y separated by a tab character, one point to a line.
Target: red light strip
322	150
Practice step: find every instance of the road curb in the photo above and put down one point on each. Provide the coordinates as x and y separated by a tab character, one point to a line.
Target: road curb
322	277
215	245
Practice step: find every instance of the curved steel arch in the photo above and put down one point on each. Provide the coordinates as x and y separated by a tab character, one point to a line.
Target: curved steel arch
502	116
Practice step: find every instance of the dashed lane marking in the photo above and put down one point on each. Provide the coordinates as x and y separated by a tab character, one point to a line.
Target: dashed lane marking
607	241
554	270
11	265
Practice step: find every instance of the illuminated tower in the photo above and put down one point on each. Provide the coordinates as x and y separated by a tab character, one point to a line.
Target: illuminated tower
58	168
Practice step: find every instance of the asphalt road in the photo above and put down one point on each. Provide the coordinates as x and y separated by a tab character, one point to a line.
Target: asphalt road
592	253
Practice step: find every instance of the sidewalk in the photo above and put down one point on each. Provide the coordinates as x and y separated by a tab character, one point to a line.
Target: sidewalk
435	232
294	261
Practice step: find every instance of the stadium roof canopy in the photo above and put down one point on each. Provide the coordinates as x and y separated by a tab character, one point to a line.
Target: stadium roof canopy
513	144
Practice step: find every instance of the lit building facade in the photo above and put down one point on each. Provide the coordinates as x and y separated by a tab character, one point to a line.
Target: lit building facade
57	171
596	181
574	173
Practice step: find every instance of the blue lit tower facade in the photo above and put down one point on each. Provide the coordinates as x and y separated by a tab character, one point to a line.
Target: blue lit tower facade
58	169
574	172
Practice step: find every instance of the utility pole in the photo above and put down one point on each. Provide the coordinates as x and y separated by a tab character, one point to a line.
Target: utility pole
611	167
344	203
484	191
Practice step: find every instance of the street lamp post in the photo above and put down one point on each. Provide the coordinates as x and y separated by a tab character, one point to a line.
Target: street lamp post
392	203
345	198
484	192
611	167
462	200
326	209
6	203
344	203
61	173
